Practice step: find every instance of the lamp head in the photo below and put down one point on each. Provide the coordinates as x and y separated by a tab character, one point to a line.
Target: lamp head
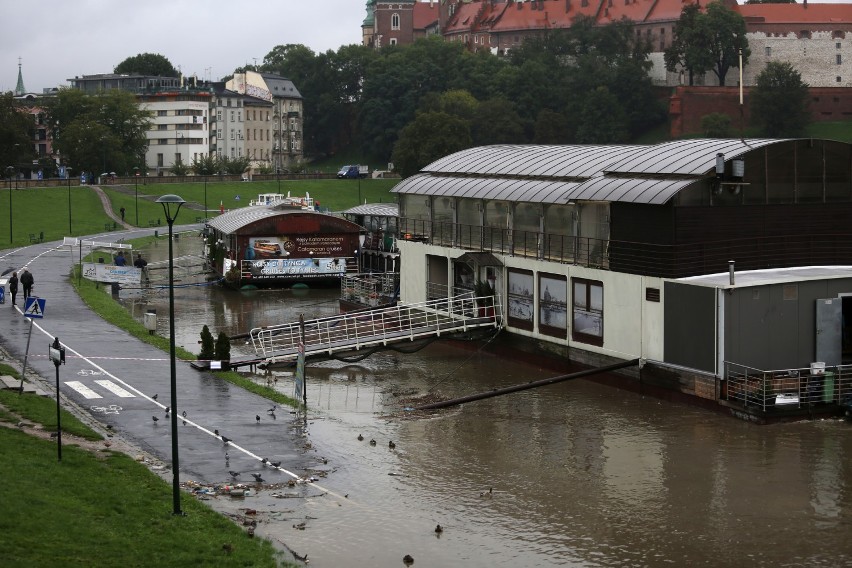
171	205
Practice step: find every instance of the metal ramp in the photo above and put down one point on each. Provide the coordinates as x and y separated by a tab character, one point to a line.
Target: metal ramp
363	329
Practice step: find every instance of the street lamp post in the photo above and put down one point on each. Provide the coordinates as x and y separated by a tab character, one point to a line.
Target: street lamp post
11	170
68	179
136	191
205	197
171	205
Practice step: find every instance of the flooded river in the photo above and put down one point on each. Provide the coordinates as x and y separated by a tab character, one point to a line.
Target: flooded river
573	474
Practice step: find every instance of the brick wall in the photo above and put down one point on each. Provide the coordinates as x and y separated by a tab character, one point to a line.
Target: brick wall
688	104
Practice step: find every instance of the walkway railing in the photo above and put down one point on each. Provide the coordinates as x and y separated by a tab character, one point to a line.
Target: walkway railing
359	330
788	388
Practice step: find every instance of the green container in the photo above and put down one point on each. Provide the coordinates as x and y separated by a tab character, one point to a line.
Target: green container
828	387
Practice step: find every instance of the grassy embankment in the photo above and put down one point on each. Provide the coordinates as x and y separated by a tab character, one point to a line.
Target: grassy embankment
99	508
45	210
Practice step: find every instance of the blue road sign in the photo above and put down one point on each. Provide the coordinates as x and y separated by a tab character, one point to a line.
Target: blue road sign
34	307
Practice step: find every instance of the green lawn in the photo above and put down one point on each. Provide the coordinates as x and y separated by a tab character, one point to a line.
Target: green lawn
105	509
45	210
334	194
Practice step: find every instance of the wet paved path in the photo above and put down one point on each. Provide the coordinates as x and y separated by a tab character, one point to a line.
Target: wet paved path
122	375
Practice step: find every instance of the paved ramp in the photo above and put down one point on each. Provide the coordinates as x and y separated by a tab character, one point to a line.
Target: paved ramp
381	326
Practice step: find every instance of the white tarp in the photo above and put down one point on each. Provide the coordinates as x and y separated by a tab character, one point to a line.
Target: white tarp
100	272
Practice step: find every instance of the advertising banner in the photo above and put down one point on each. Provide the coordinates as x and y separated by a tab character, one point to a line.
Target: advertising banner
312	246
100	272
295	267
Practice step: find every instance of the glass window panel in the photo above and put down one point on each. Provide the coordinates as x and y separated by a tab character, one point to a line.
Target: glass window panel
596	297
580	294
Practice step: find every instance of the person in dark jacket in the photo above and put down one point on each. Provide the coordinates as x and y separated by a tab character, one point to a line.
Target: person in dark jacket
27	282
13	286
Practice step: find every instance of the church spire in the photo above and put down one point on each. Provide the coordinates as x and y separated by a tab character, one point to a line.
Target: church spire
20	90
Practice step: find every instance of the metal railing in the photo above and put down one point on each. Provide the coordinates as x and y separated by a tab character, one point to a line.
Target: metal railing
369	289
787	388
666	261
357	330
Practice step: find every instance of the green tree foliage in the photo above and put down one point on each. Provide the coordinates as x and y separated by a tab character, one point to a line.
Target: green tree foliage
428	137
779	102
234	166
708	41
395	84
147	64
206	165
17	130
716	125
551	127
207	344
602	119
99	133
223	347
496	122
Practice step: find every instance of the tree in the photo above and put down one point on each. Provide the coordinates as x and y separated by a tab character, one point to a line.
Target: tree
728	39
602	120
99	133
223	347
779	101
496	122
17	131
716	125
206	165
688	49
708	41
207	344
147	64
431	135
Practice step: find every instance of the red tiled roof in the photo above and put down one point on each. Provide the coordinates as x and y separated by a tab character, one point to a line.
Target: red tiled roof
797	13
425	14
464	17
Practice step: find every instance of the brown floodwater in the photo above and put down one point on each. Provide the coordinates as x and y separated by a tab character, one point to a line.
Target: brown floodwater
573	474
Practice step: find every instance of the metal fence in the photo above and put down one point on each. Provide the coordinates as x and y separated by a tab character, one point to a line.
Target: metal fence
788	388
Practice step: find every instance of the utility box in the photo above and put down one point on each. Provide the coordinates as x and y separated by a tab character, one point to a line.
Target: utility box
150	321
4	289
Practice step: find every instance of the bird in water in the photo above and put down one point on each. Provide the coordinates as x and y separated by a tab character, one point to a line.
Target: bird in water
407	560
257	477
489	493
360	438
155	419
271	410
257	418
439	529
372	442
391	445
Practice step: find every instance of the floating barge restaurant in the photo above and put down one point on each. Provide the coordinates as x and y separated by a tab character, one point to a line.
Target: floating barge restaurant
723	266
281	244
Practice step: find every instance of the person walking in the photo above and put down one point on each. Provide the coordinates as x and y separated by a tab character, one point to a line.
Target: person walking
27	282
13	286
122	214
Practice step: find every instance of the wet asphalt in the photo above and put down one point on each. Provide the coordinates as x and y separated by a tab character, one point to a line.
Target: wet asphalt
122	375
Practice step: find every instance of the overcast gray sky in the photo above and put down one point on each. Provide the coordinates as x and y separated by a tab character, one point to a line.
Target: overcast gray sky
58	39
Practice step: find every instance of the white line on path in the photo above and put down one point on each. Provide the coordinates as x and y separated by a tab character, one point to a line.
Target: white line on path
83	389
115	389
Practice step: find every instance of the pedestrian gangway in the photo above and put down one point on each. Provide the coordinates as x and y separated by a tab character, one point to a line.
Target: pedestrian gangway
354	331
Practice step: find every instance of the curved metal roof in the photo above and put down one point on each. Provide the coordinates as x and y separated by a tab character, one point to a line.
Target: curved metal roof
375	209
232	221
558	174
